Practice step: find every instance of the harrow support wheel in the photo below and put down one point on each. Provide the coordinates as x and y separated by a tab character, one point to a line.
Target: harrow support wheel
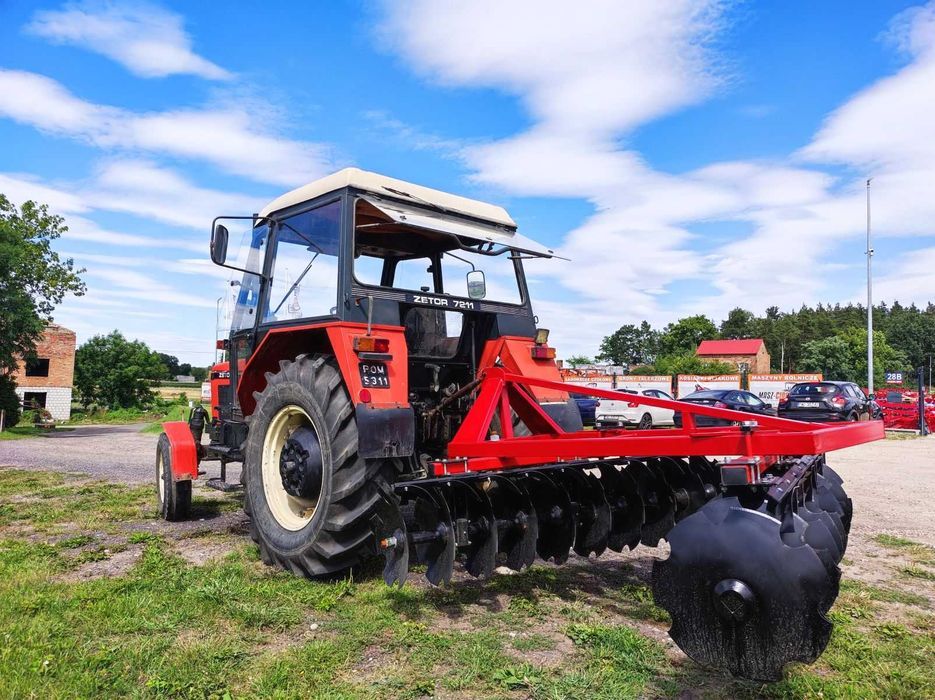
741	598
311	498
174	497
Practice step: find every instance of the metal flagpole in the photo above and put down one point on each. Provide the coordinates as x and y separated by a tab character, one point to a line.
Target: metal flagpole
869	300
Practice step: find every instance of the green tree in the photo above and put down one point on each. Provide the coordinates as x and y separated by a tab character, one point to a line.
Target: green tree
686	334
912	332
9	402
200	373
33	278
578	361
843	357
115	372
171	363
739	323
630	345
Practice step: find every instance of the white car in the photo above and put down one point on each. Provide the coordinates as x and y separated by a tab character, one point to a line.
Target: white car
623	413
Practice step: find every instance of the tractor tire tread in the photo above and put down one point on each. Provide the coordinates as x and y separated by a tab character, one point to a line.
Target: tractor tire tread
344	535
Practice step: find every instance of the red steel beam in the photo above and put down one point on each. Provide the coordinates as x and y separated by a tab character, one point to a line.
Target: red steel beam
472	450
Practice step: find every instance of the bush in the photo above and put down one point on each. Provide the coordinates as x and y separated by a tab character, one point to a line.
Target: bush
9	401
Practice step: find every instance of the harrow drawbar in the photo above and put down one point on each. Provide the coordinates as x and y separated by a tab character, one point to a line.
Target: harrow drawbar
755	541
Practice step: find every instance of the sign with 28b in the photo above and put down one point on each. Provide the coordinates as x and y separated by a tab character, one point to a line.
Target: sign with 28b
894	377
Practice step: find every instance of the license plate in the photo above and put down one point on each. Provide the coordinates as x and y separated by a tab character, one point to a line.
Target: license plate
374	375
807	404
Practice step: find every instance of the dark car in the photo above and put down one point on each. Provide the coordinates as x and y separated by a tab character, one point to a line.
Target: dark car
734	399
826	402
587	405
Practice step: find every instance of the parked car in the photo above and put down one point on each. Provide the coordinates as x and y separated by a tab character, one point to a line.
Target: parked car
586	407
621	413
734	399
826	402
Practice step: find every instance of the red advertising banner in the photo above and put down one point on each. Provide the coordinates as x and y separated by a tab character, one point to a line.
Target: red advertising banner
688	383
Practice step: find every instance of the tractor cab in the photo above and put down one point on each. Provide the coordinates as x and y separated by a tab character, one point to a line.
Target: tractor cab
429	281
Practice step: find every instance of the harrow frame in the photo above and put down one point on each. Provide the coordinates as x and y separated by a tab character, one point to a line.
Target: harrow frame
474	448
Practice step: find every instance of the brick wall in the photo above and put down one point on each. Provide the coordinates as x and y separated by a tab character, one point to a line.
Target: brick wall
58	347
758	364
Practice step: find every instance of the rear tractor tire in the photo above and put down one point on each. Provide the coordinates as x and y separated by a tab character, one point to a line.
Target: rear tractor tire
175	497
310	496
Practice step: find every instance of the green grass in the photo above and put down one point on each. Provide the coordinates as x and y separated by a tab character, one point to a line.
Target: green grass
919	553
18	432
236	628
175	413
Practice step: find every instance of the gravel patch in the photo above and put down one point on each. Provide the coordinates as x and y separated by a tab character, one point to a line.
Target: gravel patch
113	452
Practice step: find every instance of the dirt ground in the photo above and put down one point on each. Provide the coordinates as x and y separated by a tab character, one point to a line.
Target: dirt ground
890	481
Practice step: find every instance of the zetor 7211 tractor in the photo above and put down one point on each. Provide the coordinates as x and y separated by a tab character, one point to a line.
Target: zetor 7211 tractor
388	393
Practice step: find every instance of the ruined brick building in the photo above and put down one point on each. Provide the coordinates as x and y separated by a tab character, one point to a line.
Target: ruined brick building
47	381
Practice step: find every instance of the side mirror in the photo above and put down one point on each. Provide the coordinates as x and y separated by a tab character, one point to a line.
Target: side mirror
219	244
476	284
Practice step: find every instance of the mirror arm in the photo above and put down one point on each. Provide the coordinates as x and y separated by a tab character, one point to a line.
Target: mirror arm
254	219
458	257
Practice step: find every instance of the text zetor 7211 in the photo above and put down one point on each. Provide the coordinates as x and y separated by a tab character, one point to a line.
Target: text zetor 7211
388	394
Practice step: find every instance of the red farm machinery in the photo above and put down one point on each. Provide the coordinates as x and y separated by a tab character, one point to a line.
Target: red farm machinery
388	394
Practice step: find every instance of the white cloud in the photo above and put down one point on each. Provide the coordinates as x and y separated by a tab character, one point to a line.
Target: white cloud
910	280
604	68
21	187
73	199
589	78
236	139
148	191
149	41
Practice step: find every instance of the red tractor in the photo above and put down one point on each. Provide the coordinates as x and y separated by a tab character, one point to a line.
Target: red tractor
388	393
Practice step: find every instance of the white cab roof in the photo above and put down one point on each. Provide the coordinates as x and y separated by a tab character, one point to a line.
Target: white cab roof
388	186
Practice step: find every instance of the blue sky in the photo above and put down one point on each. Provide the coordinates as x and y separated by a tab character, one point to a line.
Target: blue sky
688	157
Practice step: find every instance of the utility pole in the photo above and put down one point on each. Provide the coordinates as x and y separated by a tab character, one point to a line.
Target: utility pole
869	300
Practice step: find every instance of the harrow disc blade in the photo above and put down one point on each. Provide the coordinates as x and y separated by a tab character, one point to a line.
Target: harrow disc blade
802	527
836	540
828	480
592	512
740	598
829	502
471	508
555	515
688	487
658	502
626	507
431	533
517	525
389	529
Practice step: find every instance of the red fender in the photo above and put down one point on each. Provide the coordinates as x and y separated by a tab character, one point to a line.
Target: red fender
183	455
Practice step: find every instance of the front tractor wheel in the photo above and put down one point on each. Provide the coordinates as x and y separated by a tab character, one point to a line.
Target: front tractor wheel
175	497
309	494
